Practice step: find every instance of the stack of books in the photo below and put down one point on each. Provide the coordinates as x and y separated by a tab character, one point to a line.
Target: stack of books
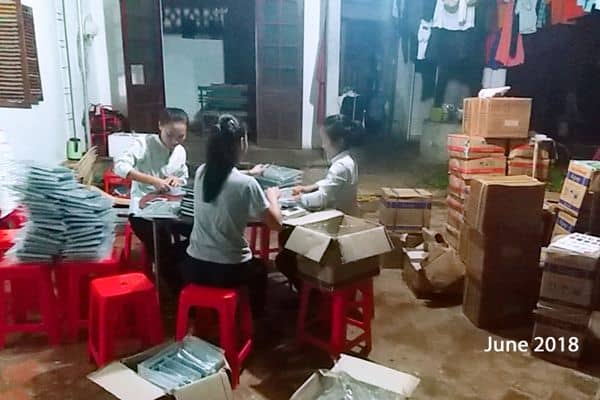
66	220
278	176
187	202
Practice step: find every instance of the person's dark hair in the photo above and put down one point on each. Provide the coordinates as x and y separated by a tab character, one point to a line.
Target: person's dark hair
222	153
340	128
169	115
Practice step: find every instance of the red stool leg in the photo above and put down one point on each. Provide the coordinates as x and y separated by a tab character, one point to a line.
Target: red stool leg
104	334
48	307
153	323
73	304
182	317
265	243
303	311
3	315
228	337
253	237
338	324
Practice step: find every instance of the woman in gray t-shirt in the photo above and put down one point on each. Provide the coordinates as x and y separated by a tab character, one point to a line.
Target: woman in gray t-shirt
225	200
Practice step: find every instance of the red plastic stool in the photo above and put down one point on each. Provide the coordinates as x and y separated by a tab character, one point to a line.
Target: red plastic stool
261	231
39	281
112	180
344	307
73	281
127	263
225	302
110	299
7	238
14	220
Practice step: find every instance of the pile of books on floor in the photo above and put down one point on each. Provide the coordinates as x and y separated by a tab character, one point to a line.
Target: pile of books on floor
182	363
187	202
66	220
278	176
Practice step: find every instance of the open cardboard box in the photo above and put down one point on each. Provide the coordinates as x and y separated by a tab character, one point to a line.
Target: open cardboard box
120	378
336	248
365	371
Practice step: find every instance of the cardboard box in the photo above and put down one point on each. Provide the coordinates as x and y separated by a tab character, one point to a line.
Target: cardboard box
582	177
121	380
405	210
468	169
338	248
452	236
497	306
524	166
456	203
497	117
364	371
507	204
502	259
400	241
565	224
507	144
459	187
571	278
456	219
428	274
528	151
466	149
565	325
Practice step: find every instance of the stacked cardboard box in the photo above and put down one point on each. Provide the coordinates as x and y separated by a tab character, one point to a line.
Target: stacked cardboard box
404	212
520	162
500	246
569	293
578	197
468	157
498	117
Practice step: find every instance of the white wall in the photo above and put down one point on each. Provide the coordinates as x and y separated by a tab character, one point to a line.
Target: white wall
189	63
40	133
312	31
114	50
334	39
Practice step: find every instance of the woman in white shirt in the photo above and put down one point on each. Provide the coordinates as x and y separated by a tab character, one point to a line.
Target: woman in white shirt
225	200
337	190
339	187
155	164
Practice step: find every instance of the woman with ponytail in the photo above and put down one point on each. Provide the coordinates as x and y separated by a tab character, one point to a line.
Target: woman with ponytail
225	201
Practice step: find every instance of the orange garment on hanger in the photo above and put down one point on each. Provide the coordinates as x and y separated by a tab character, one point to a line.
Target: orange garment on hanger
506	10
565	11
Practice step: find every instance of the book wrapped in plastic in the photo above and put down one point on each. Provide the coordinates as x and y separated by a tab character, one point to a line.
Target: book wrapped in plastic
182	363
278	176
65	219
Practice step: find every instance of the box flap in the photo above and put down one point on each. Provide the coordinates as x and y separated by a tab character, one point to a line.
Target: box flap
314	217
377	375
308	243
214	387
364	244
123	383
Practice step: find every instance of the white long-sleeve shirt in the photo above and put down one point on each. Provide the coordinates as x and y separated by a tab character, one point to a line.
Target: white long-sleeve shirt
150	156
339	188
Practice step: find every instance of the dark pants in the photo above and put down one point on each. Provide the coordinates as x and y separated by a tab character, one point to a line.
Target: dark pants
286	261
251	275
171	252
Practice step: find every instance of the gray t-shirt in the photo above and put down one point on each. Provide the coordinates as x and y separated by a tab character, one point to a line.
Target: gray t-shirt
218	233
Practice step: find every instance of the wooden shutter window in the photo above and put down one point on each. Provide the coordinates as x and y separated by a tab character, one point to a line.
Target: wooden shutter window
14	80
33	67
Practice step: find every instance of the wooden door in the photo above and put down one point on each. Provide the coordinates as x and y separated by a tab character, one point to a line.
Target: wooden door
142	48
279	60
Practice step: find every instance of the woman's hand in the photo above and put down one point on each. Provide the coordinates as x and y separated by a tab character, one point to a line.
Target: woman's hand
258	170
161	185
273	194
173	181
298	190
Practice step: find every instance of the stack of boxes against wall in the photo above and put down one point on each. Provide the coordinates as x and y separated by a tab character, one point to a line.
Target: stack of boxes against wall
578	197
494	142
569	298
500	247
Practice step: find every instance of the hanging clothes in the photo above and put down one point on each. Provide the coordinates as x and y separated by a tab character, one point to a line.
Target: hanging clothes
454	15
526	10
423	39
510	47
542	14
565	11
589	5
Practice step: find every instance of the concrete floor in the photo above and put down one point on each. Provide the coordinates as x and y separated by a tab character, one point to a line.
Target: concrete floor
430	340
